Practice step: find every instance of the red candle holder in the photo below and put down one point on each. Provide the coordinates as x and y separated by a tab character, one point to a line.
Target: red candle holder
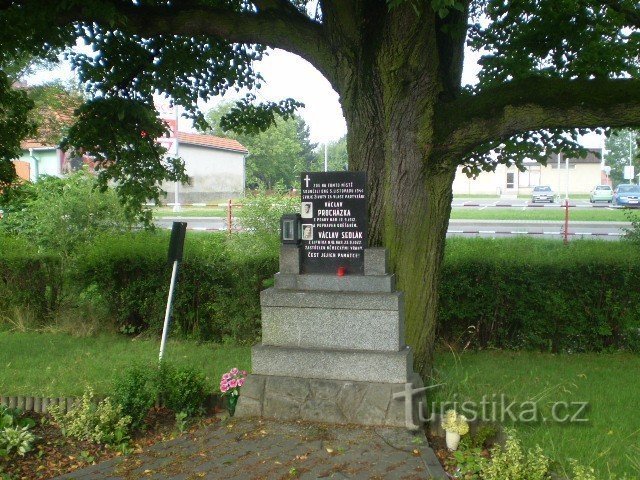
341	271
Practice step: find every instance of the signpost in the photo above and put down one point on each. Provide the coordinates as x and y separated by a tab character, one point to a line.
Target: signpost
334	222
176	247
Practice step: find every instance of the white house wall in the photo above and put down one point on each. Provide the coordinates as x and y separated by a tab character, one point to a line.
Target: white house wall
582	178
48	162
215	175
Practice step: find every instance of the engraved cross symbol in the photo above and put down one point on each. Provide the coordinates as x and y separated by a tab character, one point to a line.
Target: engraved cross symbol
306	181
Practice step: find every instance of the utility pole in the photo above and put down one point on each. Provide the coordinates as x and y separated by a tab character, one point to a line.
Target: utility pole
566	191
559	181
326	158
176	202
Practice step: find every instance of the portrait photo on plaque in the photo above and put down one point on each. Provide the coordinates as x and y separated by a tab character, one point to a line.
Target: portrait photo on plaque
307	232
306	210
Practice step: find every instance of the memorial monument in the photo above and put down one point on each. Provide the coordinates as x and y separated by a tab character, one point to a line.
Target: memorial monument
333	346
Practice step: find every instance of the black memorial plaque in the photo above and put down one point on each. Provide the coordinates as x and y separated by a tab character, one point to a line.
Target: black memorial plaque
334	222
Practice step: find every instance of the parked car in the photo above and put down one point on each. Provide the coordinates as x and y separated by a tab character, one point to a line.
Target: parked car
627	195
542	193
601	193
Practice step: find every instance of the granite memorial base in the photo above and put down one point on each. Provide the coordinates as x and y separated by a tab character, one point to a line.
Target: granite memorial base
333	349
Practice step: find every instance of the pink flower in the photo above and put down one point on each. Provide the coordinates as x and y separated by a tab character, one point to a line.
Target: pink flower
233	383
244	373
226	376
240	382
224	388
234	371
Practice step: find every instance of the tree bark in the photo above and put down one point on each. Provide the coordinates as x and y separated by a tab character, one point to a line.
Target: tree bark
389	96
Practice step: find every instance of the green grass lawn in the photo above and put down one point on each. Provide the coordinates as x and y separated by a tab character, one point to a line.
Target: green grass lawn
190	212
43	364
554	214
58	364
609	441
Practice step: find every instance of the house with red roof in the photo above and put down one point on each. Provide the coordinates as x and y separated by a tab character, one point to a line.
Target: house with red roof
215	166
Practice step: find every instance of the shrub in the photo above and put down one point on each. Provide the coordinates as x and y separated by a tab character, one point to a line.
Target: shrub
182	389
260	215
19	439
101	422
60	214
512	462
28	279
135	390
536	294
15	434
218	290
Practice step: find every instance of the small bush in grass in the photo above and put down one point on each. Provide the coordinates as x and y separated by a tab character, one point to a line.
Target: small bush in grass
101	422
512	462
182	389
15	434
260	216
135	390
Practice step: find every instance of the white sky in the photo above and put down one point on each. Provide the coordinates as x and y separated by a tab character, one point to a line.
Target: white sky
287	75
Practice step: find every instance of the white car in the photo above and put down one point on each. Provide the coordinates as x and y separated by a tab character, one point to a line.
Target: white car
542	193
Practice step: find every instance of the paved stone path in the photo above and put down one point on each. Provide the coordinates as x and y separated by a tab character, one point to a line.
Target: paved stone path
261	449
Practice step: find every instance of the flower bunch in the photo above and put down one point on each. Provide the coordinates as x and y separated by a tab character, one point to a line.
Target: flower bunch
231	382
452	422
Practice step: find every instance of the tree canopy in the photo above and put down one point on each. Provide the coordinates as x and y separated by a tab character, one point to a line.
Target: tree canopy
277	155
623	148
550	69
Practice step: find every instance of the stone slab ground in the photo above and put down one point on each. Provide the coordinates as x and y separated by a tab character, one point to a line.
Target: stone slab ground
262	449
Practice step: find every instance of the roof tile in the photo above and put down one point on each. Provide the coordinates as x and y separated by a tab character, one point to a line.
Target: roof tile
211	141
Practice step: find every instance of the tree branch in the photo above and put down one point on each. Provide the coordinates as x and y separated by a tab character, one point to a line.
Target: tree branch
274	27
535	104
631	15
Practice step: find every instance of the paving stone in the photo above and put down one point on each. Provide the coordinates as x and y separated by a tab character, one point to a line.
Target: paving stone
251	449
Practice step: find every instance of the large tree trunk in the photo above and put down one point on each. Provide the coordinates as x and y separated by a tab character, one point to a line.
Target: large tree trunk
388	95
409	215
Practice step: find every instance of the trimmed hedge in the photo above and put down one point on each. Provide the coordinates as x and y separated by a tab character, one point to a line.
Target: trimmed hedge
508	293
218	290
540	294
28	279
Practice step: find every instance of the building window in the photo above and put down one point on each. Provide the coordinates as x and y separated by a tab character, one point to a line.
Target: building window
510	180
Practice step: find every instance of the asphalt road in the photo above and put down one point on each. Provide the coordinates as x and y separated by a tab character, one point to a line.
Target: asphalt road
467	228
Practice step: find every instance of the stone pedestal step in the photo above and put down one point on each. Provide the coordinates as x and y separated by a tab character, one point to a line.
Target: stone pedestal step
331	328
356	365
333	283
332	401
275	297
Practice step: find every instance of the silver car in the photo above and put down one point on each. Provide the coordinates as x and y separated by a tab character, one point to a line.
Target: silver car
542	193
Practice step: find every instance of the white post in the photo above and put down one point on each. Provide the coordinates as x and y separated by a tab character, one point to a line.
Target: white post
326	158
559	181
566	191
176	202
630	152
167	314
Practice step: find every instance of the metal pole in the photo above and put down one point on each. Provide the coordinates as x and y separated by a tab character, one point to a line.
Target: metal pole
229	217
566	221
167	315
326	158
176	204
630	153
566	190
559	181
